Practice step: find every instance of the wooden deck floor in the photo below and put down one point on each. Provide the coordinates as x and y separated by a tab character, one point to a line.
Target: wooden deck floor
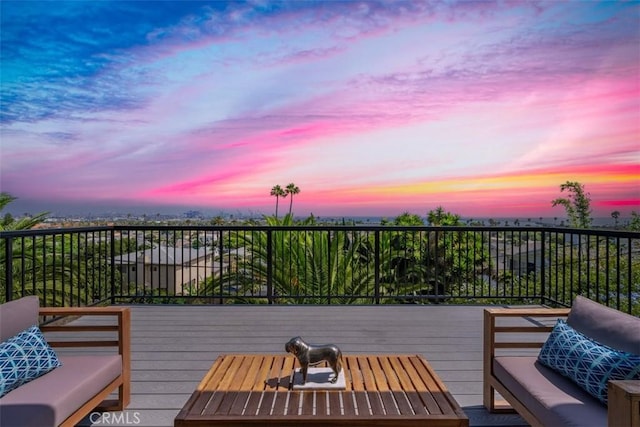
174	346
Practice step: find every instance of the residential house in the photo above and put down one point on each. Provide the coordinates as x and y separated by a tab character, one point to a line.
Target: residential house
175	270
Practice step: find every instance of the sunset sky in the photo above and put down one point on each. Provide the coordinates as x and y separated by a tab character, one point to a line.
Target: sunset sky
370	108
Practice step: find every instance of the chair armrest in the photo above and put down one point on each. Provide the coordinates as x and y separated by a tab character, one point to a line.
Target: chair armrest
82	311
491	329
491	342
624	403
122	326
527	312
73	339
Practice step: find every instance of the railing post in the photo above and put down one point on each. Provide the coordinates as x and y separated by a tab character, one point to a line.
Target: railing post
579	279
112	275
8	271
377	266
543	272
328	269
269	267
435	268
220	267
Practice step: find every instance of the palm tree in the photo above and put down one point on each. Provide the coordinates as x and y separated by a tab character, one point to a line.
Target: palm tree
25	265
292	189
59	268
615	215
308	266
8	223
278	192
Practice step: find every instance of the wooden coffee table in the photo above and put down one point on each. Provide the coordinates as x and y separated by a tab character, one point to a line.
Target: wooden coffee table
381	390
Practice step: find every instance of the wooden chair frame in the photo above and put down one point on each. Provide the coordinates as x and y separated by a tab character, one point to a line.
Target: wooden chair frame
624	396
123	343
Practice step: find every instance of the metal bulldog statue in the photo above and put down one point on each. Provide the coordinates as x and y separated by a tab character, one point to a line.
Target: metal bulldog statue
309	354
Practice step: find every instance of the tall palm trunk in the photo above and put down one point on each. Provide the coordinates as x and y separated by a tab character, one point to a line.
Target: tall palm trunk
291	190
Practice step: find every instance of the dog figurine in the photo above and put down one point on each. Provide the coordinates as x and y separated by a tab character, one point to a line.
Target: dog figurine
308	354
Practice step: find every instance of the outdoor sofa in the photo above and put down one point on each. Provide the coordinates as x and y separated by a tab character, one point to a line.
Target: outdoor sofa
537	390
83	383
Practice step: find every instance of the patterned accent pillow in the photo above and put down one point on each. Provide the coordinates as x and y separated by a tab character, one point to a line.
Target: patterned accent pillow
25	357
586	362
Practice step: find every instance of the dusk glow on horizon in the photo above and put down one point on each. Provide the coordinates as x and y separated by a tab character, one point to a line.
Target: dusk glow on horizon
370	108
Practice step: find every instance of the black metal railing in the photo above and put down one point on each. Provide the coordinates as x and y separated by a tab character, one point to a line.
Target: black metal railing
321	265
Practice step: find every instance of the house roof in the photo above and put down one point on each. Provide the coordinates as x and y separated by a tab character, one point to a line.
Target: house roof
163	255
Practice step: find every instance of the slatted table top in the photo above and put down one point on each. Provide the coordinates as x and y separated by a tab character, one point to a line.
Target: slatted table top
381	390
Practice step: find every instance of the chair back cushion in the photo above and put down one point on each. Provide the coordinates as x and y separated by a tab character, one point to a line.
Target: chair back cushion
586	362
605	325
24	358
18	315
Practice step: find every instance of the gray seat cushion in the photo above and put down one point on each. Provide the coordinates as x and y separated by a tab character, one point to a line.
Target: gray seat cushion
608	326
52	398
554	399
18	315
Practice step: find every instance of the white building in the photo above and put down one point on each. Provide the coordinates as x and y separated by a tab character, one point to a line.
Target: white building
174	270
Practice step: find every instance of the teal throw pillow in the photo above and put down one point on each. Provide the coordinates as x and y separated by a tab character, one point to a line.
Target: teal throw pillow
586	362
25	357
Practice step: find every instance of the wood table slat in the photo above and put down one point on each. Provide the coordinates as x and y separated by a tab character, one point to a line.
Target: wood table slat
356	380
214	403
376	404
227	403
370	384
379	374
390	374
321	403
196	406
362	403
405	406
418	405
263	374
217	371
230	375
280	403
335	404
266	405
309	403
437	389
389	402
367	374
420	386
410	380
348	403
237	408
293	408
254	403
286	374
250	377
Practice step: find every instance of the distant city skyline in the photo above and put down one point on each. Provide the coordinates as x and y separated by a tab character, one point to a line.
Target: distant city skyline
370	108
154	213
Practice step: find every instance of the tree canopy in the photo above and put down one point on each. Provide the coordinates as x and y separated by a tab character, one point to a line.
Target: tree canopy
577	204
8	222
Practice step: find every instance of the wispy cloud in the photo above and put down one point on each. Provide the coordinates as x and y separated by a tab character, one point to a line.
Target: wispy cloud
365	105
